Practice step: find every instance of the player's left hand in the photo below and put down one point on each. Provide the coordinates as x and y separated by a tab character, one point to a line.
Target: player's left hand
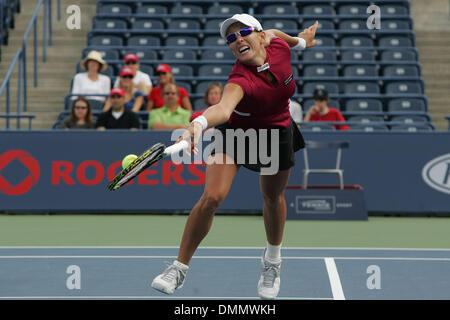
308	35
192	135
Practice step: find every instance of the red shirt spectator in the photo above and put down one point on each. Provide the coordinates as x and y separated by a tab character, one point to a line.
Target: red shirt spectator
333	115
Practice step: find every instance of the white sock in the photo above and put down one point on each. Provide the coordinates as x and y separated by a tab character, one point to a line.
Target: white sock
273	253
182	266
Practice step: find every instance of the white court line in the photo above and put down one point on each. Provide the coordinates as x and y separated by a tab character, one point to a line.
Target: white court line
335	281
158	297
216	257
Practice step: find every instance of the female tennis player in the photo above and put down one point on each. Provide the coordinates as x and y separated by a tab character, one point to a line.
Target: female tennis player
256	96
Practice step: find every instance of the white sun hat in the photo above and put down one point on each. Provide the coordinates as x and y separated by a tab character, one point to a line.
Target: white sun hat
244	18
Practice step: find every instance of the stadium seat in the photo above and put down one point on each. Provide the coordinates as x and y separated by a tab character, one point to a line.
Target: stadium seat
199	104
362	105
412	128
182	41
360	71
105	40
279	9
323	24
96	104
352	9
404	87
395	24
152	9
316	126
184	24
319	55
361	87
186	9
114	9
353	25
142	54
401	71
320	71
406	105
398	55
391	9
368	127
358	55
213	24
356	41
213	41
109	24
182	71
310	86
318	10
408	119
225	9
366	119
107	54
147	24
184	85
183	55
325	41
219	54
394	41
203	85
281	24
144	41
214	70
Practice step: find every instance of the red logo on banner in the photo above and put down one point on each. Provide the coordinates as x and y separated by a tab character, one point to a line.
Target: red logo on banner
26	184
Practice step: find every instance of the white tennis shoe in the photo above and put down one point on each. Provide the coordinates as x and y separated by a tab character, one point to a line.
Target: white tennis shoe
172	278
269	282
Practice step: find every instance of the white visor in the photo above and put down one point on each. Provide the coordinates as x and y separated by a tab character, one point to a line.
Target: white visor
244	18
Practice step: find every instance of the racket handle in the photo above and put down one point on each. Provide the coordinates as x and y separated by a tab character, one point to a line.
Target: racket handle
177	147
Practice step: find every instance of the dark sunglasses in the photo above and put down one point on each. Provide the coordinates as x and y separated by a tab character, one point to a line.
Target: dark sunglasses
80	107
161	73
116	96
169	92
232	37
131	62
127	77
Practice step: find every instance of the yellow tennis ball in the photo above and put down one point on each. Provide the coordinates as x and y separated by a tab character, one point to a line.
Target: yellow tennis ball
128	159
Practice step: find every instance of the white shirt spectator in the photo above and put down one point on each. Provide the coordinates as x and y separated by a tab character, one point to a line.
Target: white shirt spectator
296	111
84	86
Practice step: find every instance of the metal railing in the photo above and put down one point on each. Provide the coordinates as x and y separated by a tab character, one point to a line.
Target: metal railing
20	59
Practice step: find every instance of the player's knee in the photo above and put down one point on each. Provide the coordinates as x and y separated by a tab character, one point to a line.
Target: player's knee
272	199
212	200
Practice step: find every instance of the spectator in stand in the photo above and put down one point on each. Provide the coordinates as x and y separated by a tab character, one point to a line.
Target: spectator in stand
134	98
171	116
321	112
212	96
165	76
92	82
118	117
141	79
80	116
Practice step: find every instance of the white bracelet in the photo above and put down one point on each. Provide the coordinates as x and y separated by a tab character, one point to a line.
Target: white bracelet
301	44
202	120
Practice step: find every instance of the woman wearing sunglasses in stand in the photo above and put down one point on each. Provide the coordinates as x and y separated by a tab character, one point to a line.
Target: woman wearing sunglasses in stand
256	96
80	116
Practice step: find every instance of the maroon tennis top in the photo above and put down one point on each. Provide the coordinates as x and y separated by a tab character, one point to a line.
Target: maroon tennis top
264	104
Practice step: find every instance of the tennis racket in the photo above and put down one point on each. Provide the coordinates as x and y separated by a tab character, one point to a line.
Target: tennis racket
145	160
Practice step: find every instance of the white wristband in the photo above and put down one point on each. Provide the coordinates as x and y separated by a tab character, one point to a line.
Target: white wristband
301	45
202	120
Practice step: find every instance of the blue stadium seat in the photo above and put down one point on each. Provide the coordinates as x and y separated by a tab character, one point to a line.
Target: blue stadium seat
105	40
184	24
356	41
393	24
199	104
358	55
182	71
361	105
213	41
145	68
214	70
368	127
352	9
279	9
109	23
412	128
360	71
213	24
366	119
399	54
184	85
323	24
203	85
142	40
281	24
107	54
226	9
361	87
318	10
316	126
402	87
353	25
114	9
401	71
219	54
147	24
324	41
310	86
394	41
319	55
182	55
409	119
182	41
142	53
152	9
320	71
406	105
186	9
391	9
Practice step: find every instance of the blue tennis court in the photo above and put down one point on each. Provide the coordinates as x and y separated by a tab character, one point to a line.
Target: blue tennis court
223	273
